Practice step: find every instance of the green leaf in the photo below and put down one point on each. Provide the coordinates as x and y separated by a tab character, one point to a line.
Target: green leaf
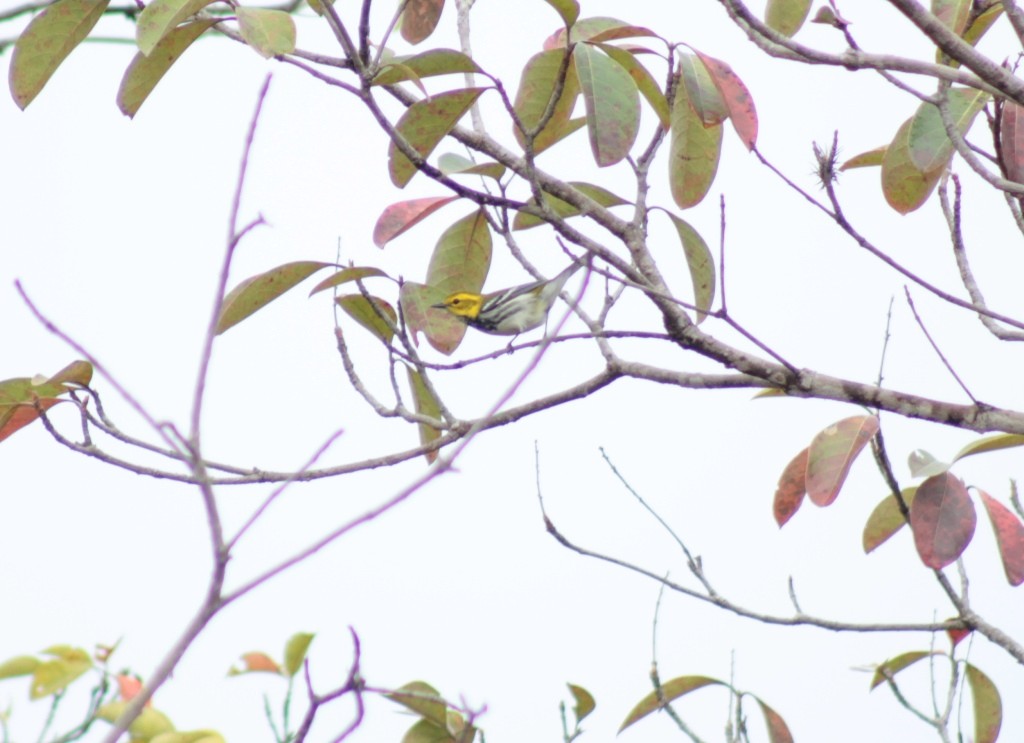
568	9
258	291
891	667
424	700
21	665
426	404
671	690
452	164
904	185
786	16
832	453
694	150
585	703
426	731
295	651
269	32
612	103
982	24
355	273
55	675
701	90
988	707
644	81
160	17
930	147
145	72
47	41
700	263
536	86
867	159
990	443
602	196
360	309
885	520
419	19
428	64
424	125
194	736
398	218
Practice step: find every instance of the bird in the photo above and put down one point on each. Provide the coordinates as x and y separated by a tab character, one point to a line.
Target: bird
510	311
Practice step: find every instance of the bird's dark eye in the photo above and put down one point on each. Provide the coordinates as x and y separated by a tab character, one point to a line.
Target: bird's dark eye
456	300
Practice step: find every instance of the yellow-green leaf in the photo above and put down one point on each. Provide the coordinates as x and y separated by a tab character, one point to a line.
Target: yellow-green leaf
990	443
602	196
612	103
694	150
452	164
258	291
160	17
145	72
423	699
269	32
21	665
194	736
47	41
428	64
295	651
787	16
424	125
701	90
885	520
55	675
368	315
867	159
585	703
355	273
426	404
568	9
670	690
888	669
426	731
536	86
643	79
988	707
700	263
904	185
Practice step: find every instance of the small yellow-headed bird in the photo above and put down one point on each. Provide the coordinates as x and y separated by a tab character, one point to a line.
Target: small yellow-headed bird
510	311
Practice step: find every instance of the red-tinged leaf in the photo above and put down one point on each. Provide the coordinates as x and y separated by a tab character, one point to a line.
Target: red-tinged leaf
885	520
585	703
786	16
957	635
930	146
990	443
791	490
419	19
694	150
428	64
831	455
737	99
398	218
952	13
423	699
295	651
356	273
601	196
21	665
1009	537
144	72
258	291
988	707
47	41
701	90
128	686
443	330
368	313
568	9
891	667
643	80
1011	140
904	185
452	164
671	690
700	263
868	159
943	519
424	125
256	662
426	404
269	32
536	86
15	418
597	29
22	398
612	103
778	731
160	17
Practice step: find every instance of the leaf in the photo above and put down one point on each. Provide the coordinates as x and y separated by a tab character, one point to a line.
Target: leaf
778	731
424	125
602	196
988	707
368	314
736	97
568	9
786	16
990	443
444	331
452	164
791	490
612	104
643	80
980	26
701	90
270	32
930	147
867	159
831	455
1009	537
943	519
952	13
398	218
904	185
536	86
160	17
585	703
194	736
47	41
1011	140
78	373
258	291
426	404
256	662
145	72
419	19
957	635
22	398
891	667
295	651
923	464
428	64
694	150
21	665
148	725
885	520
355	273
598	28
52	676
670	690
700	263
426	731
423	699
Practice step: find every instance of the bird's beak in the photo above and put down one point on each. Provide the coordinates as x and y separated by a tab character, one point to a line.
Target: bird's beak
439	306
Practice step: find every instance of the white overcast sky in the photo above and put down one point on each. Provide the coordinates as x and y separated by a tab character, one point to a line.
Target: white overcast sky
116	229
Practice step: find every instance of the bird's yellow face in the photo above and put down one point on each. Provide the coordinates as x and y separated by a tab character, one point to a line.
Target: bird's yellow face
462	304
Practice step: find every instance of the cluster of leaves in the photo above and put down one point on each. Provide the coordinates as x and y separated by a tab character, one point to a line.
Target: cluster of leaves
24	399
